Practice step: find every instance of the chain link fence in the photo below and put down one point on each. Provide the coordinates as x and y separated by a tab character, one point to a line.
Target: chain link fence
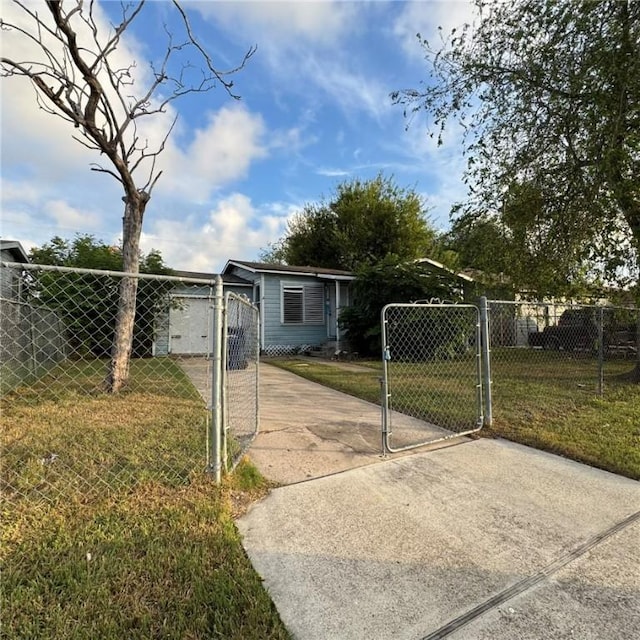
32	340
431	372
550	355
241	365
65	437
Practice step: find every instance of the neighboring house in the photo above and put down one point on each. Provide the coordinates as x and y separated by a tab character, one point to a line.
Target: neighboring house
11	279
32	337
464	282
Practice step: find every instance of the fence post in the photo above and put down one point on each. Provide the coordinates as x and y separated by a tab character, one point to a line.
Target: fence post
600	351
33	355
637	373
486	361
217	382
224	384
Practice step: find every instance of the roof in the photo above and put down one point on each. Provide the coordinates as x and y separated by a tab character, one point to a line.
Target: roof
264	267
16	250
438	265
227	278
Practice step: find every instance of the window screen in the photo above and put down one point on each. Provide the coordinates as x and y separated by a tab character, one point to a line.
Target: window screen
303	304
314	304
292	305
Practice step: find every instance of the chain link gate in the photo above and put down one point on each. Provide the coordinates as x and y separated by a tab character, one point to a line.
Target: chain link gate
241	335
432	372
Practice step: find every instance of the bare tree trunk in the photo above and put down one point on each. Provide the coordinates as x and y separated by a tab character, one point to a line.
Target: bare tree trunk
125	319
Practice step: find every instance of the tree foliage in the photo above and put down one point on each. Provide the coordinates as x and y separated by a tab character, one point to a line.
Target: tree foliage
361	224
548	96
392	279
512	252
87	303
78	75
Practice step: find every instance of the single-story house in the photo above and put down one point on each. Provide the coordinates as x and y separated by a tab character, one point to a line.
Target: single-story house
299	308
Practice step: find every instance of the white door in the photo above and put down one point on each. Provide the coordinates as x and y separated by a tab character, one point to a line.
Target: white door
190	326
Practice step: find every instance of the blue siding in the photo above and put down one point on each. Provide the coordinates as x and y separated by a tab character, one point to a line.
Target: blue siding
241	291
277	334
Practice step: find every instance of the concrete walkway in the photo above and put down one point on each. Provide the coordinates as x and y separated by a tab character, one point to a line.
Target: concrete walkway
484	540
308	431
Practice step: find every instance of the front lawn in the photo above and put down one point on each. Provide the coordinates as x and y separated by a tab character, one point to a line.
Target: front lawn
542	399
111	528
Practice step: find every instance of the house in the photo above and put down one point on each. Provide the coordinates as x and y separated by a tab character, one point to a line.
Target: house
11	279
299	307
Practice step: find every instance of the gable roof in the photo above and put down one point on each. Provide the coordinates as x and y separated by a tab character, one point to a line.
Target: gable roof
16	250
285	269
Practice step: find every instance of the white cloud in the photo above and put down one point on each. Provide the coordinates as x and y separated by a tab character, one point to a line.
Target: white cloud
69	217
235	228
425	18
333	173
353	92
287	22
217	154
18	191
305	45
30	134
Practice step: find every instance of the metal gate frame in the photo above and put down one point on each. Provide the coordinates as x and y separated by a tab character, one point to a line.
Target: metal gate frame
483	391
251	350
218	432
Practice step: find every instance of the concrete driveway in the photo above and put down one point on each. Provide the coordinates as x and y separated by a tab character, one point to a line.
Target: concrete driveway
486	539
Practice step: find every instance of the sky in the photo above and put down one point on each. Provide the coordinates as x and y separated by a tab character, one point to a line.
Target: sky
315	110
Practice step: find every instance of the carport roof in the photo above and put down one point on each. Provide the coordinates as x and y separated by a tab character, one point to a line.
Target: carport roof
227	278
263	267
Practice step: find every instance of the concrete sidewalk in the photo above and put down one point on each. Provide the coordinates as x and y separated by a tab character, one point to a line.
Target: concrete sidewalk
487	539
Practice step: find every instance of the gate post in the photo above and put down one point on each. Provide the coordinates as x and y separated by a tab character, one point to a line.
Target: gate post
217	382
601	351
486	361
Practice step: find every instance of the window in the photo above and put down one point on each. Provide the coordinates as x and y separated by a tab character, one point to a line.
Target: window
293	305
303	304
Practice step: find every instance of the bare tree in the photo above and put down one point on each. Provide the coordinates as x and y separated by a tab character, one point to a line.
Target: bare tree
77	77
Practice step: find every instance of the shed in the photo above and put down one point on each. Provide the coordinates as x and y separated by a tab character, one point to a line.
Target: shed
183	327
10	279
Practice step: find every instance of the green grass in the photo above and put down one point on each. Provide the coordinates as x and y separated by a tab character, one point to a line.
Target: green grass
543	399
122	535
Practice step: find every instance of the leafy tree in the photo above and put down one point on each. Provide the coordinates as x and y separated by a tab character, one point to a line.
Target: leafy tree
513	251
77	76
87	302
392	279
548	96
361	224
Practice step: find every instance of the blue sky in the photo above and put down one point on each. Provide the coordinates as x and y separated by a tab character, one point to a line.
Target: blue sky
315	110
